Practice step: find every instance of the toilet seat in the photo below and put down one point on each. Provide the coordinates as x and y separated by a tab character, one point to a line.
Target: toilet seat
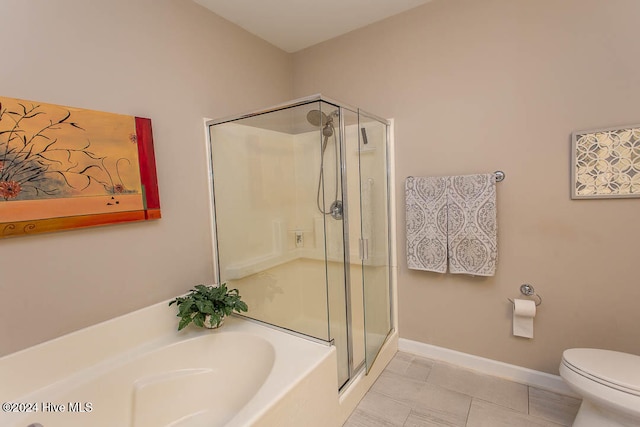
620	371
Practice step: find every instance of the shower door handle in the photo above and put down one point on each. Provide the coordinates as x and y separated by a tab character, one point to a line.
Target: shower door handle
364	249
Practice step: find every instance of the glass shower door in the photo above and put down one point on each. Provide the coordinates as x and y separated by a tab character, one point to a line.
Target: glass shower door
272	242
374	243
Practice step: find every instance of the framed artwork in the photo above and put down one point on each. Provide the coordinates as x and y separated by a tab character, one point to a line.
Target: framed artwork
605	163
63	168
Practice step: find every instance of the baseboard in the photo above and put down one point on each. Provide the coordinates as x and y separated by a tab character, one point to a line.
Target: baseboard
507	371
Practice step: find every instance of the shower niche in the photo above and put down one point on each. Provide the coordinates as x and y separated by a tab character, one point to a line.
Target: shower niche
301	222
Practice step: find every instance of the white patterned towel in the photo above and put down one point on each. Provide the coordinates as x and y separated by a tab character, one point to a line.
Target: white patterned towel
472	240
426	206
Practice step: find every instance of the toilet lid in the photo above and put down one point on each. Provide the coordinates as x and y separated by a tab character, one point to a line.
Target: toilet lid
611	368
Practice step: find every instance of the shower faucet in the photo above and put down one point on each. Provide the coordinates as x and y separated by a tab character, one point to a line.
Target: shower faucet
336	210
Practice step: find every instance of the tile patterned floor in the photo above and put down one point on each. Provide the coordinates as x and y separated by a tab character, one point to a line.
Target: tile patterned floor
416	392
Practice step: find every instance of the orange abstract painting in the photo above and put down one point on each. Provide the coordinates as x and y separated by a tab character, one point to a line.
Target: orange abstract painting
64	168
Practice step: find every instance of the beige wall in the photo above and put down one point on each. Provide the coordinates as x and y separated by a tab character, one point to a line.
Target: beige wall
484	85
169	60
474	86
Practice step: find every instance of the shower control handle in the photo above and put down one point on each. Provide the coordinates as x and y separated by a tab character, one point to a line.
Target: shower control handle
336	210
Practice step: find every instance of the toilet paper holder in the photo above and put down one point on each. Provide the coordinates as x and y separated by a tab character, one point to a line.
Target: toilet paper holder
528	290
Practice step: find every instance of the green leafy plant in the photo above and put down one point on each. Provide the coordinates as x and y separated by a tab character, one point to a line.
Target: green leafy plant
208	303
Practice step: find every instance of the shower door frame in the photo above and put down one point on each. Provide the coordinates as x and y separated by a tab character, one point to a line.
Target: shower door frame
346	245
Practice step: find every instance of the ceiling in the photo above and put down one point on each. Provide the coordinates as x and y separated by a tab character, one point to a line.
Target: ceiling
293	25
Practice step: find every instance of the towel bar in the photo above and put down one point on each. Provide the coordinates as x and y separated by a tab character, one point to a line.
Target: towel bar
498	174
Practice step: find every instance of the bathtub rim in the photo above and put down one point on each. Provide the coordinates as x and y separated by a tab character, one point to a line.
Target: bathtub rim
147	328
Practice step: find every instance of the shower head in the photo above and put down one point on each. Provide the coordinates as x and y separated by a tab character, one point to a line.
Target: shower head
317	118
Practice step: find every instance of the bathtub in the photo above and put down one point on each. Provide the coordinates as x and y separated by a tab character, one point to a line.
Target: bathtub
128	373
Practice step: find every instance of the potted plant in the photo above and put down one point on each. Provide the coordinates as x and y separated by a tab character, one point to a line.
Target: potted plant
207	306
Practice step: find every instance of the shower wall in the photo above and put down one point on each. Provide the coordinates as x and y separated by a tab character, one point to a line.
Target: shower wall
261	191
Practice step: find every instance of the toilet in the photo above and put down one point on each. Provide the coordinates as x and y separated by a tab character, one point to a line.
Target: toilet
609	384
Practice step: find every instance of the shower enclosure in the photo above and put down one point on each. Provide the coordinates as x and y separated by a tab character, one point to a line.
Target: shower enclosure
301	222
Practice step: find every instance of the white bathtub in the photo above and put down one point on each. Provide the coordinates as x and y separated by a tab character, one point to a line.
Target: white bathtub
242	374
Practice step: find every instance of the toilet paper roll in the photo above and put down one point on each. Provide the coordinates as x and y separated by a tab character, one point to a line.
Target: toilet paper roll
523	313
